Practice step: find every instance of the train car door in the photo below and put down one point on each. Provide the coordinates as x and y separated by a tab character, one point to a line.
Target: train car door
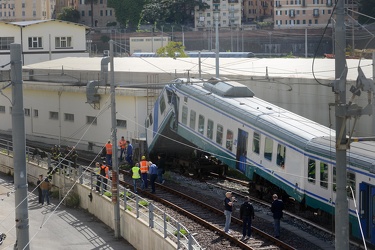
367	211
241	150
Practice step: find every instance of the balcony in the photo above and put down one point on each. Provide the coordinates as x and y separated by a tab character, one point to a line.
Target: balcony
234	10
329	3
292	14
316	14
278	5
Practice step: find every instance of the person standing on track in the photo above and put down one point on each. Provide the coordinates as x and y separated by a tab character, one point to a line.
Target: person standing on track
247	215
161	168
228	204
108	156
122	145
153	171
277	208
129	153
136	175
143	165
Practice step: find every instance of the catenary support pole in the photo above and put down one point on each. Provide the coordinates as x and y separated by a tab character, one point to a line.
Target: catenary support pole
341	205
19	150
115	180
216	16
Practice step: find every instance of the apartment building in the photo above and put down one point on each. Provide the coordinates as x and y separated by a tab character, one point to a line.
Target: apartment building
258	10
307	13
227	12
99	17
27	10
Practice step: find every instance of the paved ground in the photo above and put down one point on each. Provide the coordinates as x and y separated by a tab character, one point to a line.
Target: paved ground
63	228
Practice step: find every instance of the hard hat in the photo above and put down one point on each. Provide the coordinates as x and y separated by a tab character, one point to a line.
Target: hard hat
143	157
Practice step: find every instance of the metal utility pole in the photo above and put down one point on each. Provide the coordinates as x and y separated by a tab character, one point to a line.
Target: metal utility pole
341	205
216	16
115	180
19	150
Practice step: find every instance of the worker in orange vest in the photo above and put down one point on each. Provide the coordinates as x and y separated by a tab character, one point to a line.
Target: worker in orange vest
122	145
143	165
108	156
104	173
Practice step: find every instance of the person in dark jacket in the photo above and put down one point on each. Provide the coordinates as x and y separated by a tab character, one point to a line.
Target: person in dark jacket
277	208
161	168
228	204
40	195
247	215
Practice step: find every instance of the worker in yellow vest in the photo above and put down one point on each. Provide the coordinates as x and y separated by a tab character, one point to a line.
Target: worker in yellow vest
136	175
143	165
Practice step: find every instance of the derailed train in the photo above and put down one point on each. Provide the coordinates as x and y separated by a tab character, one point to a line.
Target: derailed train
263	141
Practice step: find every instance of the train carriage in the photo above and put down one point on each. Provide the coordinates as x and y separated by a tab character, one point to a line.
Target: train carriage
263	140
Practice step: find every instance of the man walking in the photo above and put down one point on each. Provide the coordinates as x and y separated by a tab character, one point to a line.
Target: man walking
136	176
45	186
247	215
153	171
108	156
228	203
129	153
143	165
122	145
277	208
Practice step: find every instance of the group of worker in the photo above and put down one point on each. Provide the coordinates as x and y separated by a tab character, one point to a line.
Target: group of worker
126	151
144	169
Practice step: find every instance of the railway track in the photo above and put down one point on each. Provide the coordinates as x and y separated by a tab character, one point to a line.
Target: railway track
208	216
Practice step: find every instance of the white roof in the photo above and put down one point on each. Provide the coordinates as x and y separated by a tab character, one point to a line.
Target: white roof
274	67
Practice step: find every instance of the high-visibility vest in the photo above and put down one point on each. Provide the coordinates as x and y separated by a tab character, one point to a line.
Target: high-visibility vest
108	148
122	144
104	169
135	171
143	166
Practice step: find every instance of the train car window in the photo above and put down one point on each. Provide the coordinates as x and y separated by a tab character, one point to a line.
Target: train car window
323	175
201	124
185	99
311	170
162	104
268	148
150	118
229	142
184	115
147	123
281	151
169	96
192	119
350	182
256	143
210	126
219	134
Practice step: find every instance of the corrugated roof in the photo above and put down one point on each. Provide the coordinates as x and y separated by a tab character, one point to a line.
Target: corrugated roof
33	22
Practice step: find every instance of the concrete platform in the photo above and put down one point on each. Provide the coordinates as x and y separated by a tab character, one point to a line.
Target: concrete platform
55	227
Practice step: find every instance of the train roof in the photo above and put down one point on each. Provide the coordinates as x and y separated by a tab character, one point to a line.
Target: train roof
288	126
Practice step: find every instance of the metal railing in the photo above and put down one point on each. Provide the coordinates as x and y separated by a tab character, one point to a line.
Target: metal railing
143	209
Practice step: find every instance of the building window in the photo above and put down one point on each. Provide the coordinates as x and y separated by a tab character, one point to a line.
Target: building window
192	119
311	171
184	115
36	113
91	120
210	126
201	124
121	123
101	12
5	42
27	112
63	42
89	13
2	109
82	13
53	115
69	117
229	142
219	134
324	175
35	42
268	148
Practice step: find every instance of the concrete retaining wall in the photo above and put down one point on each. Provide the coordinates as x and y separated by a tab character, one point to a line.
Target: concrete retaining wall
134	230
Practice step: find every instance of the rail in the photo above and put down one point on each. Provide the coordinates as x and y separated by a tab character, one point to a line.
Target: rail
134	203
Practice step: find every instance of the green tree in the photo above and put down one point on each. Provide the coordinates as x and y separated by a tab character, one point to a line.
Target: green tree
69	14
172	49
128	12
181	11
367	7
92	2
